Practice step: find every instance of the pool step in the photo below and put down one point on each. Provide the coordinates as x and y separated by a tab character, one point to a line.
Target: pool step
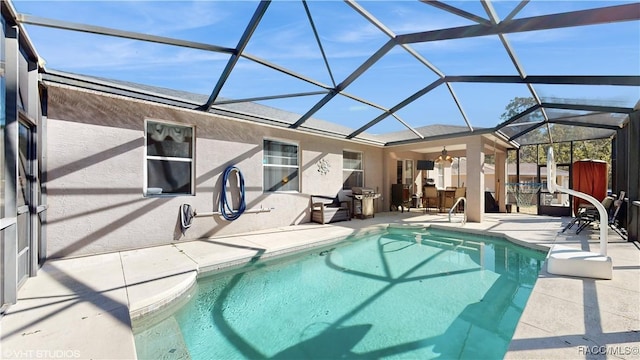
442	240
162	341
439	241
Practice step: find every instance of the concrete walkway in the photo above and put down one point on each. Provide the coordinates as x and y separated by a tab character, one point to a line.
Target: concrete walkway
82	307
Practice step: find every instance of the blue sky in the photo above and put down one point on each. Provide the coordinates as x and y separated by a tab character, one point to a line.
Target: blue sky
285	38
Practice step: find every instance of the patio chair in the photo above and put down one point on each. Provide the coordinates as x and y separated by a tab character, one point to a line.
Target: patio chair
460	192
449	197
617	204
326	209
589	215
613	207
430	198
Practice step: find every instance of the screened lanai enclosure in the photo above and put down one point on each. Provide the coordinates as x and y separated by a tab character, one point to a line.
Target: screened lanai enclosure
377	83
587	79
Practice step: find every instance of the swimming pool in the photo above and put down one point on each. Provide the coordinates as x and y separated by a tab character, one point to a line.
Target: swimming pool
399	294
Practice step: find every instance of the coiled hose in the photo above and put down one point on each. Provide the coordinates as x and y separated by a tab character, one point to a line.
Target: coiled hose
225	205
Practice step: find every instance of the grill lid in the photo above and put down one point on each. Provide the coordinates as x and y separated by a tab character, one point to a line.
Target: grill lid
362	190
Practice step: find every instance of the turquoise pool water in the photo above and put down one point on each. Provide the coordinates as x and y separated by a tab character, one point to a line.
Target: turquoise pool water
401	294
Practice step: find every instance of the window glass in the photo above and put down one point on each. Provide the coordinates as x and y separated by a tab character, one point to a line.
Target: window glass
173	177
352	171
169	140
276	153
280	166
441	183
23	196
408	175
169	159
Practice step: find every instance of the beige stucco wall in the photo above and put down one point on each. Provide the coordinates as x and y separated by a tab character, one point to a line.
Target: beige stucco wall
96	168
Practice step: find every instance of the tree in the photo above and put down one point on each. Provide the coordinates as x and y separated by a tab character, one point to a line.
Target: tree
591	148
516	106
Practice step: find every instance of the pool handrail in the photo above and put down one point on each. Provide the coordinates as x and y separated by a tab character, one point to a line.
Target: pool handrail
464	207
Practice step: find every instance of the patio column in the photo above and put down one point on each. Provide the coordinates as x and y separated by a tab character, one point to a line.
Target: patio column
501	180
475	179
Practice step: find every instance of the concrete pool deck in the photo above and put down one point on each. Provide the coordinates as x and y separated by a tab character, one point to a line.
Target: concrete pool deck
82	307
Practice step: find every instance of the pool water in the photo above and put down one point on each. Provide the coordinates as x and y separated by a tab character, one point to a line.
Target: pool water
400	294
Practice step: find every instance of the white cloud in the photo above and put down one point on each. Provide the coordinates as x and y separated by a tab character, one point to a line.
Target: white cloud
357	35
359	108
164	17
89	52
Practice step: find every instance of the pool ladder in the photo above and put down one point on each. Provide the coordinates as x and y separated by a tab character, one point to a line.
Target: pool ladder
464	207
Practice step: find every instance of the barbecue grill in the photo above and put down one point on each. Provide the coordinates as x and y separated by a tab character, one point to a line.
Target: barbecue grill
362	201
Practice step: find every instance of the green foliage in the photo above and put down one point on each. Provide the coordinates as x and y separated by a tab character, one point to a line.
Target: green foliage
516	106
562	135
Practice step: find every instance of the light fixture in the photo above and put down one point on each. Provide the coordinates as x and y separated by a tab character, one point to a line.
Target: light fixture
444	156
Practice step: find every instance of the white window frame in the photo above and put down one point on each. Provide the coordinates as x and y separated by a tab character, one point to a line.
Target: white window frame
353	170
165	158
265	165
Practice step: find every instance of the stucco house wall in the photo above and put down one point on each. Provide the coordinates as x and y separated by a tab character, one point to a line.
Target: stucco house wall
95	177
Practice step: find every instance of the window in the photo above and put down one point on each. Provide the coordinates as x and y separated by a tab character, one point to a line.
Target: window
404	174
352	172
441	182
280	166
408	176
169	158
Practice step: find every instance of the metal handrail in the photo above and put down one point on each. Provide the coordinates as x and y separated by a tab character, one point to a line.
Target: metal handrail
455	205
